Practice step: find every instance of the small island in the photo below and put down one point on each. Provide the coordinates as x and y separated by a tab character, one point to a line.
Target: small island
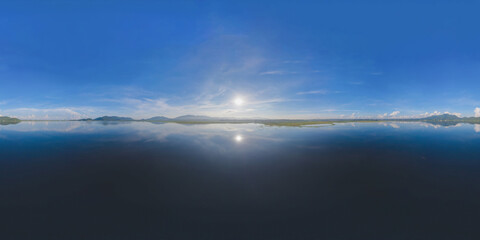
8	120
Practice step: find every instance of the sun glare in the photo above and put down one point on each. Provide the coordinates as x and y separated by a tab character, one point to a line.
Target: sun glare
238	138
238	101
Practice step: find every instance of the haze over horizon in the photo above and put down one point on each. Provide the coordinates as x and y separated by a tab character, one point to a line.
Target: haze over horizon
334	59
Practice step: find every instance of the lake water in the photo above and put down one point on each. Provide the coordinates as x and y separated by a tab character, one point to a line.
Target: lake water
94	180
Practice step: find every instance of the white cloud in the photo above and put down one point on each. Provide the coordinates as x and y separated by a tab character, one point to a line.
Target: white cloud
429	114
382	115
477	112
46	113
276	72
144	107
356	82
394	113
456	114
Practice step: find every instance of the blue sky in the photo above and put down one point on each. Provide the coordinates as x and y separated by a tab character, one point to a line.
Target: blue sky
294	59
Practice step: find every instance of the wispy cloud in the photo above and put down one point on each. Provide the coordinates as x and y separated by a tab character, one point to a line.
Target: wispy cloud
146	107
382	115
387	115
394	113
321	91
477	112
356	82
275	72
435	113
429	114
272	100
293	61
64	113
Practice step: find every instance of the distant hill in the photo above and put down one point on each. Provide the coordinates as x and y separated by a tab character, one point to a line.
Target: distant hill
472	118
113	118
475	120
9	120
449	119
443	117
158	118
194	118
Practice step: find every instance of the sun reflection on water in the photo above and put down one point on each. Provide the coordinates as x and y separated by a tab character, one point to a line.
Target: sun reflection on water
238	138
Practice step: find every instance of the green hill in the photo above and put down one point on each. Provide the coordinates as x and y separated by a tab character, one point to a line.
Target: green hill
8	120
158	118
443	117
113	118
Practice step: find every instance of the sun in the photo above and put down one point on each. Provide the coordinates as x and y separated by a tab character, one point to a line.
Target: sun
238	138
238	101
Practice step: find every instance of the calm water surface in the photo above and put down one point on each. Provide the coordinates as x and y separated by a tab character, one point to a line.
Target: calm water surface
92	180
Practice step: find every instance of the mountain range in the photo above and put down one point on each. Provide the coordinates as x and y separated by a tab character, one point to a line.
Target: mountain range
188	118
444	119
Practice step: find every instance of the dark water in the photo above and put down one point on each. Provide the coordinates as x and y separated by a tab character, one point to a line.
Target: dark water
77	180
